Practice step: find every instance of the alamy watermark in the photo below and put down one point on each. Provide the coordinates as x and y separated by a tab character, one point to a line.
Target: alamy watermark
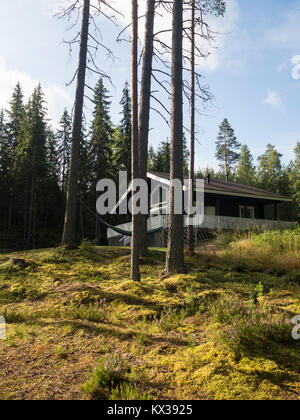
137	197
296	330
2	328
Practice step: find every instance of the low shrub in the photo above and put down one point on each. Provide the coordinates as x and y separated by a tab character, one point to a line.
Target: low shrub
169	319
128	392
111	372
245	326
87	248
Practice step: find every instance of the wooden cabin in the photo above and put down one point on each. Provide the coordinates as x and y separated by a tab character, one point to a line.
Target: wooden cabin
227	206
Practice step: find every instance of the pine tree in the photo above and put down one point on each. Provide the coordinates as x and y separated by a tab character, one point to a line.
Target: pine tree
123	134
69	236
63	137
144	111
135	274
191	169
246	170
175	253
227	147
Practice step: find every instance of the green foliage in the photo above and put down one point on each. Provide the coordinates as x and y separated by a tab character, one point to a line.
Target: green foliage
90	313
100	145
246	170
110	372
63	137
245	325
169	319
61	352
122	134
159	160
258	292
227	147
113	379
270	172
294	179
128	392
280	242
87	248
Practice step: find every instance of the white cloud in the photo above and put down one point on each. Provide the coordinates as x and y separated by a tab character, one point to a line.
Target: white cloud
273	99
296	68
55	96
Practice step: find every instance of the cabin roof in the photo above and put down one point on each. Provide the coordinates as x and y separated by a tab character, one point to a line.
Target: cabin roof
228	188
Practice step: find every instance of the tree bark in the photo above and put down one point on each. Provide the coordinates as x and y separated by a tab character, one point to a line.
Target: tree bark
70	236
135	267
144	117
175	253
190	245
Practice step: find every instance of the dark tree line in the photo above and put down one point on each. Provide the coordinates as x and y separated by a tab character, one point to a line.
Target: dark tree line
35	165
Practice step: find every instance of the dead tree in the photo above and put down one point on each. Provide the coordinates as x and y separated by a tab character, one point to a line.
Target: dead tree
190	236
144	117
135	266
89	45
70	232
175	253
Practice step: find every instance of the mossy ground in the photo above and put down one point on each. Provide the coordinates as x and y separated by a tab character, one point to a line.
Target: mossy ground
67	309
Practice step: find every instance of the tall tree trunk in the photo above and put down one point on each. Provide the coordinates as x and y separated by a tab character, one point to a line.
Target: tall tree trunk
135	265
70	227
175	254
10	210
144	117
25	212
31	211
226	157
190	245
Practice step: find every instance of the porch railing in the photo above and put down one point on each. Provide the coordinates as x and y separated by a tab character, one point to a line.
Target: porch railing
213	223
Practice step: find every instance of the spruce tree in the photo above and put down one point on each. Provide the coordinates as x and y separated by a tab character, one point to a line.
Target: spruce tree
15	116
101	135
5	150
5	172
63	137
123	134
245	169
31	160
15	119
270	171
227	148
100	148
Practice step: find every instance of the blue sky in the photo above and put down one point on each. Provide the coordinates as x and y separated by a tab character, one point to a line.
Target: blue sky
254	73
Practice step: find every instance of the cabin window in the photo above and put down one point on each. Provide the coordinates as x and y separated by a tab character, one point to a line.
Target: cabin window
210	211
247	212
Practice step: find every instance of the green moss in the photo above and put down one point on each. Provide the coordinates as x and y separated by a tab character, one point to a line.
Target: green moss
168	332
